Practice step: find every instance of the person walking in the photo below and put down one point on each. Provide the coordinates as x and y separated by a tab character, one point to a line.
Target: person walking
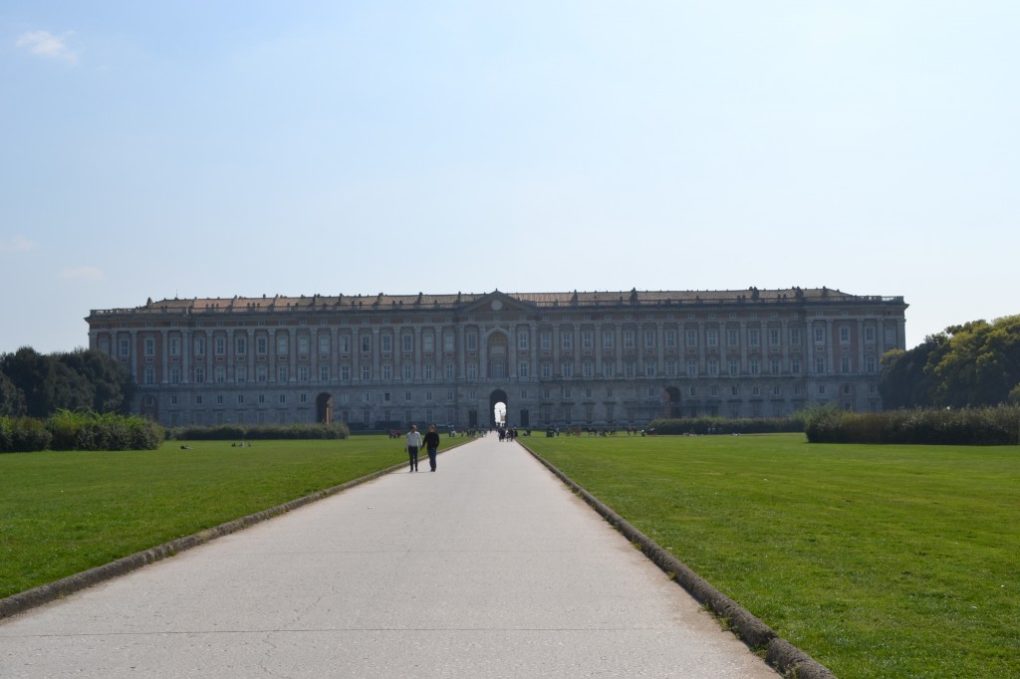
432	445
413	445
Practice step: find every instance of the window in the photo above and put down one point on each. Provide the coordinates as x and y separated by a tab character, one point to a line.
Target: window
844	334
774	337
522	369
608	338
587	340
199	375
198	400
345	373
608	370
282	399
261	345
366	373
324	373
302	345
471	340
587	370
691	337
869	334
262	398
219	399
844	364
173	399
649	339
712	337
755	390
303	373
649	369
774	366
240	399
448	341
386	341
428	342
220	374
240	373
366	344
566	340
713	367
732	337
150	346
546	370
567	370
344	342
472	371
754	366
795	366
387	372
870	364
149	375
407	343
523	338
670	338
407	372
692	368
754	337
734	367
282	344
175	375
240	345
628	338
545	340
221	345
795	336
820	335
819	365
323	344
427	371
124	346
175	346
448	371
261	373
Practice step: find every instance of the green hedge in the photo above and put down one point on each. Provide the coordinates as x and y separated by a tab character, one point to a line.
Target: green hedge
67	430
234	432
965	426
722	425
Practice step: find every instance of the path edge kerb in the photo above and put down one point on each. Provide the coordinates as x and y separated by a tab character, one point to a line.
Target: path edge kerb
779	653
51	591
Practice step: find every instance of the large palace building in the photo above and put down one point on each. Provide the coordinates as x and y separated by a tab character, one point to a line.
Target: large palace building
563	359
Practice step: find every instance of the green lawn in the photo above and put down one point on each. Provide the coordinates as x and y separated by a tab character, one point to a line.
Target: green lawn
65	512
879	561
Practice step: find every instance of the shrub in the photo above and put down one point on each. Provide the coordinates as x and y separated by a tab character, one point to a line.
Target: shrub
722	425
233	432
965	426
22	435
106	431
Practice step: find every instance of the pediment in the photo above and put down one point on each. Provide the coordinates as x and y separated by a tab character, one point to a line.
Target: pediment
497	302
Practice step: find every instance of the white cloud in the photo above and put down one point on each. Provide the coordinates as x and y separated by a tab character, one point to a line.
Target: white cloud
83	273
16	244
45	44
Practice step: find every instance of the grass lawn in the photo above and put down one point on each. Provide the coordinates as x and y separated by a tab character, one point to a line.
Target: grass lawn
879	561
65	512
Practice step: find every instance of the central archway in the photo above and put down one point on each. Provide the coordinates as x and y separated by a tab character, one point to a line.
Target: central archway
498	397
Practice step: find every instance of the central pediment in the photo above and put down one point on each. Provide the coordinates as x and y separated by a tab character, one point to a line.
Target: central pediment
497	302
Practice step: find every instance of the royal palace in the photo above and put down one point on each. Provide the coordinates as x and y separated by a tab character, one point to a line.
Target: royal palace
551	359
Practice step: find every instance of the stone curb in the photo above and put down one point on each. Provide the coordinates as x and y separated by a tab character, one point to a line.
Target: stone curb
37	596
789	660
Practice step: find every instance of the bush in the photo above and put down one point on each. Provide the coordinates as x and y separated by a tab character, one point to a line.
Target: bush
722	425
22	435
965	426
106	431
234	432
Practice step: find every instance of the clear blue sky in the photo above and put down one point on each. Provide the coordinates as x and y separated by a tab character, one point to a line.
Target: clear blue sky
161	149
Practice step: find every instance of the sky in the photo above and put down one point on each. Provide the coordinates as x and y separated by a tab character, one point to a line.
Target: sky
199	149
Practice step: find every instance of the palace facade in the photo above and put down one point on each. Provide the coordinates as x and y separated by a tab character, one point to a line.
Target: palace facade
553	359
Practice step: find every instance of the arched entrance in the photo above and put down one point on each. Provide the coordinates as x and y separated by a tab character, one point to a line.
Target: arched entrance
498	398
671	402
324	408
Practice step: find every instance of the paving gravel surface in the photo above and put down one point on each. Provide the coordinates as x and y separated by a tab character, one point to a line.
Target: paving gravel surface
488	567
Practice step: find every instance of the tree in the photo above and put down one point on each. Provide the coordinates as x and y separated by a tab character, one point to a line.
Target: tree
981	364
12	401
905	381
47	384
110	381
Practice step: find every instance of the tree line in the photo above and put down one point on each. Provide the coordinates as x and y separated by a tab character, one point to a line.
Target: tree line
39	385
969	365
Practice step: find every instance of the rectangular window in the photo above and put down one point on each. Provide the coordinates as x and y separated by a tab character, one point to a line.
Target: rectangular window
795	366
323	344
345	344
713	367
732	337
150	346
303	373
795	336
302	345
587	340
523	338
566	340
281	373
628	338
844	334
240	373
567	370
754	366
324	373
820	335
448	342
670	338
774	337
608	339
608	370
387	372
175	346
240	345
649	339
734	368
124	346
427	371
471	340
407	343
175	375
649	369
546	370
691	337
522	369
261	345
149	375
869	334
428	343
220	374
545	340
366	344
472	371
221	345
366	373
820	365
712	337
587	369
386	341
692	368
282	344
448	371
753	337
774	366
844	364
869	364
261	373
199	375
345	373
407	372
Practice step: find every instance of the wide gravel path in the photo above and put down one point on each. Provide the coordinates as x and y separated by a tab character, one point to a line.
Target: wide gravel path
487	568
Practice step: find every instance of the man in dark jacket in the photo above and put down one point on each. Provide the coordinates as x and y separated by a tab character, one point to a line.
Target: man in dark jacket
432	445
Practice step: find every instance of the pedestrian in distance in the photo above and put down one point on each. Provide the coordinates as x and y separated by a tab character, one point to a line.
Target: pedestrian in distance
413	446
432	445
